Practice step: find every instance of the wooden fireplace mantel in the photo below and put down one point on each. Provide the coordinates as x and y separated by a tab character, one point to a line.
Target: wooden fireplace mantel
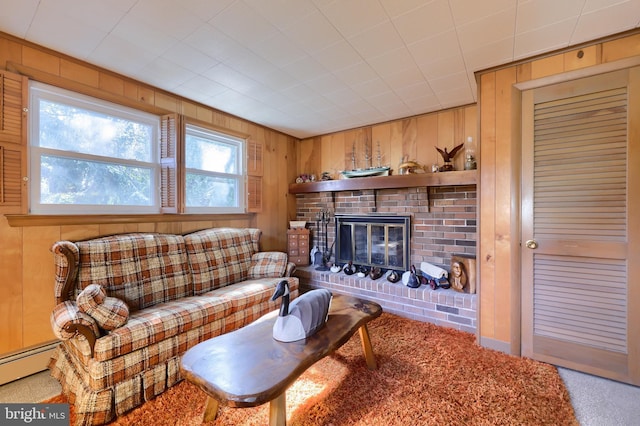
466	177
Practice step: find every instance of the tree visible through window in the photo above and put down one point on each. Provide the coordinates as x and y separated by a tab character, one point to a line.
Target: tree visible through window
91	156
214	171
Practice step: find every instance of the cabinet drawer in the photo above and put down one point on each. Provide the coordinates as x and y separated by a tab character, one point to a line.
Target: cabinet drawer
300	260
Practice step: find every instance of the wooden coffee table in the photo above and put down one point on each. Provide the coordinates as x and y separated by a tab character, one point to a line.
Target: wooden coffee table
248	367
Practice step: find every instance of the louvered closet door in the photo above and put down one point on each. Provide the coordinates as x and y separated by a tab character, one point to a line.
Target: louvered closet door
579	232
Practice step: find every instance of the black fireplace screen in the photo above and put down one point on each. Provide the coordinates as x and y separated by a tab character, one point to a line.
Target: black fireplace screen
373	240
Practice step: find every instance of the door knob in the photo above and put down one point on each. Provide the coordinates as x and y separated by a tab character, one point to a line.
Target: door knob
532	244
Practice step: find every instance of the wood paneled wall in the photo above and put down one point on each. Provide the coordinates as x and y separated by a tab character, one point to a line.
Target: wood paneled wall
499	188
26	265
413	138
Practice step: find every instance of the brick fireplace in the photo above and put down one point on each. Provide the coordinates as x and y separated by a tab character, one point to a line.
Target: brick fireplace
443	223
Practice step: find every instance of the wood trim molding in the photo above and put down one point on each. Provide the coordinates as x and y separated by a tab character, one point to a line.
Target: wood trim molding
560	51
65	83
62	220
577	74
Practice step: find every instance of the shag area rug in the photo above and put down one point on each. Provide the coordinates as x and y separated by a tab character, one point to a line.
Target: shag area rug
427	375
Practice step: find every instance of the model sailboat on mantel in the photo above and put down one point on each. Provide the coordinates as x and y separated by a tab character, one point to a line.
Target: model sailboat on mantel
380	170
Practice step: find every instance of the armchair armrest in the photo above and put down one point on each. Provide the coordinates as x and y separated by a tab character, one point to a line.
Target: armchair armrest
67	321
66	269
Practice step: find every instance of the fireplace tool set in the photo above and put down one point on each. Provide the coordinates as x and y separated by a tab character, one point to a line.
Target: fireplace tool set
323	254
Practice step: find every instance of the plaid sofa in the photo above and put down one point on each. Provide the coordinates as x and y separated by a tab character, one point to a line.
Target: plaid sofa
129	305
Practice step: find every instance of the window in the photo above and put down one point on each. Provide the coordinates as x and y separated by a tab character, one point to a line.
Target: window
91	156
214	171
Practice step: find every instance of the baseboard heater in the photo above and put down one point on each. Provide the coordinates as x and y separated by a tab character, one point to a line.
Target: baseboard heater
25	363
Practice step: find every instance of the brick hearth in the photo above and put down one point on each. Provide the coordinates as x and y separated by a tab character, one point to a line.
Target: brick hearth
447	308
443	223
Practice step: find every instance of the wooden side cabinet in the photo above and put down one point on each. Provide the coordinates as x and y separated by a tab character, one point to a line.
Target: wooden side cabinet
298	246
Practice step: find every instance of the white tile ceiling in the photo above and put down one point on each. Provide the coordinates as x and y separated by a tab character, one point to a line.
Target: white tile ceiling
310	67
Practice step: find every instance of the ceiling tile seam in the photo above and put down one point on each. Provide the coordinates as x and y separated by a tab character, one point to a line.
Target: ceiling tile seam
341	34
33	18
426	80
110	32
575	26
279	67
346	40
464	60
515	22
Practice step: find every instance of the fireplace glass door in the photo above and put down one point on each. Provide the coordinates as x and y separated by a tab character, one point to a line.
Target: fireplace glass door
381	241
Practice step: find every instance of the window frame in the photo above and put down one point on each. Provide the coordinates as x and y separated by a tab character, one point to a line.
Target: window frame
41	91
206	132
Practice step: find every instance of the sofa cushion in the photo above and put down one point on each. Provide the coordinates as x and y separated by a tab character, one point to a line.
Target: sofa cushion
220	256
140	269
163	321
268	265
252	292
109	312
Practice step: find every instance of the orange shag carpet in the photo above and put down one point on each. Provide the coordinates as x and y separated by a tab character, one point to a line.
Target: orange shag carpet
427	375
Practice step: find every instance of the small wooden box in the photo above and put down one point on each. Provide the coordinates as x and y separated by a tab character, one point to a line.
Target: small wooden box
298	246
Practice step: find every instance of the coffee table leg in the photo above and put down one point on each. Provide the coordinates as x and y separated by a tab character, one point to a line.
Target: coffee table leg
211	409
366	347
278	411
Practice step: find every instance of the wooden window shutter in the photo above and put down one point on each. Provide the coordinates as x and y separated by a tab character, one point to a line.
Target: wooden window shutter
254	194
254	175
13	143
13	101
169	149
13	185
254	158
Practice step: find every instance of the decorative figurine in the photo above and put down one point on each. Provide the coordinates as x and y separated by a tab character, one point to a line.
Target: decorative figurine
315	259
458	276
410	278
362	271
302	317
435	275
436	283
349	269
393	276
433	271
448	157
375	273
423	280
408	167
